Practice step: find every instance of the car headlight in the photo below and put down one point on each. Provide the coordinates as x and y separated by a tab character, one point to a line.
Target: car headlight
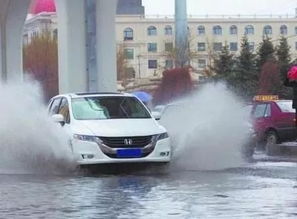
86	138
162	136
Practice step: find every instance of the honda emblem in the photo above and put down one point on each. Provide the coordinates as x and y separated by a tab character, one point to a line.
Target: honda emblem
128	141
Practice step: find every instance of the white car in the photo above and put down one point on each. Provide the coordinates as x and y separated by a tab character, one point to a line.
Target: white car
110	128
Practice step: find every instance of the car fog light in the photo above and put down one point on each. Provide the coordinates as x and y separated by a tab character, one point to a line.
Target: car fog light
87	156
164	154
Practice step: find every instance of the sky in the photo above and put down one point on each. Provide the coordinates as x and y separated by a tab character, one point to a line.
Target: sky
226	7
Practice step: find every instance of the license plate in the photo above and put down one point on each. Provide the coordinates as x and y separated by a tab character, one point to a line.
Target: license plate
128	153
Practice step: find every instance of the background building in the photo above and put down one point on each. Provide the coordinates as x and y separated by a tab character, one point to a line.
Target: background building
146	43
130	7
36	24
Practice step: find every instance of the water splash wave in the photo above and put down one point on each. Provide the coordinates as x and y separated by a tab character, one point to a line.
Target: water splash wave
29	141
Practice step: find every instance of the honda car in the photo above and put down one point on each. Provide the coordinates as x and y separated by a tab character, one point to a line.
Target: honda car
110	128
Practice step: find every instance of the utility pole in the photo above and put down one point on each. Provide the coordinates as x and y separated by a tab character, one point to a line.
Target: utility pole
3	61
91	59
181	33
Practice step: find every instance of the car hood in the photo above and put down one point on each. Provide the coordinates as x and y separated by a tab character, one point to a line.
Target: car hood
122	127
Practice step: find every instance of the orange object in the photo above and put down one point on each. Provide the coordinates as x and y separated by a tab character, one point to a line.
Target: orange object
266	98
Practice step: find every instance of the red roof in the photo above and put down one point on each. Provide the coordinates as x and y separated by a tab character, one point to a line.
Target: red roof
39	6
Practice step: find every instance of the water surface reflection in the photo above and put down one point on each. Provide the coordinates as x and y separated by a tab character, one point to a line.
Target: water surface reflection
263	190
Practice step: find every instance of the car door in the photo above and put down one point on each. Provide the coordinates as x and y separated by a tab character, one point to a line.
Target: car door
64	110
262	117
284	121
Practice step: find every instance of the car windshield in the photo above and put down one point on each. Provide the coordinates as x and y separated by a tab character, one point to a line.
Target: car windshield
286	106
95	108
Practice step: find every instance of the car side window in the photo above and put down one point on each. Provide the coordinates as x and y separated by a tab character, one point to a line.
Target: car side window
54	106
268	111
64	110
260	110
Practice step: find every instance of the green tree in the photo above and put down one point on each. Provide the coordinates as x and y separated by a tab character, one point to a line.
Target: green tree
284	62
265	52
245	77
224	65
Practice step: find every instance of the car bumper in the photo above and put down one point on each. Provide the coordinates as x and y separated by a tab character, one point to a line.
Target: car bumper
89	153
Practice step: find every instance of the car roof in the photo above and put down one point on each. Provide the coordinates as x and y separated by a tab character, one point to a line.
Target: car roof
94	94
283	101
272	101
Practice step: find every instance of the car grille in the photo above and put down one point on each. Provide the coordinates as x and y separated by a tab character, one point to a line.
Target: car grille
127	142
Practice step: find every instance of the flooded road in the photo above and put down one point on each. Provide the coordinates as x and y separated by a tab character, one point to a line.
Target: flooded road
261	189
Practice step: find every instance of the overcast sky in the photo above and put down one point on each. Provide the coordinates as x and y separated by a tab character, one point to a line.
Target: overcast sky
218	7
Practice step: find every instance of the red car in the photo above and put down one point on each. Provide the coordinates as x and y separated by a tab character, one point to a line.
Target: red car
274	120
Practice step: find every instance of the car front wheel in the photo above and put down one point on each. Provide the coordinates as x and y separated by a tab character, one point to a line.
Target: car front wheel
271	146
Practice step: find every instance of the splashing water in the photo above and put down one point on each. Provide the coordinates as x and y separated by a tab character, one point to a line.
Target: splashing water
207	129
30	143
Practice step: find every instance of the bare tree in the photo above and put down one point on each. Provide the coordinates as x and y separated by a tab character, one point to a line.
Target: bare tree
192	55
124	71
40	59
269	82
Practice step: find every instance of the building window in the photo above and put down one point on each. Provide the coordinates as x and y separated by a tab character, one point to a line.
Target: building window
267	30
233	30
168	47
295	45
152	47
283	30
201	30
152	31
152	64
295	30
201	63
129	53
169	64
128	34
249	30
168	30
217	47
201	47
217	30
252	46
233	46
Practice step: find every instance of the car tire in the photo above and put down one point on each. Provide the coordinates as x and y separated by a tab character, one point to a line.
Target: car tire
248	151
271	141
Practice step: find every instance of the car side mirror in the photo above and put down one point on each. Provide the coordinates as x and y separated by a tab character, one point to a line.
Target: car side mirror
156	115
58	118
